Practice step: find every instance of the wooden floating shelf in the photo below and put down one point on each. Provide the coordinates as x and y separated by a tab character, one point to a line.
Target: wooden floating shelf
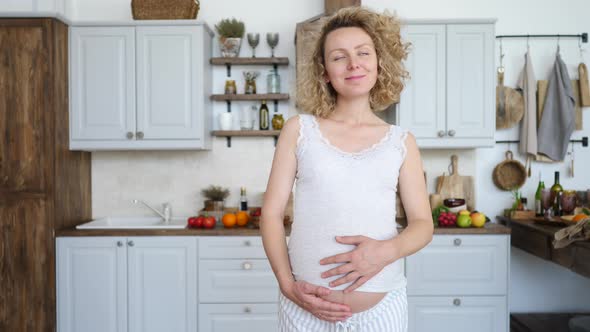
250	61
268	96
228	134
252	133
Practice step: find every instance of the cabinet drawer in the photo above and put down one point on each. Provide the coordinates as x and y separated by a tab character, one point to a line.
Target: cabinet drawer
237	280
460	265
457	314
238	317
231	247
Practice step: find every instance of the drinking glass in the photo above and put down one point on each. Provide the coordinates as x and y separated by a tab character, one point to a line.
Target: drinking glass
568	202
546	201
253	40
272	38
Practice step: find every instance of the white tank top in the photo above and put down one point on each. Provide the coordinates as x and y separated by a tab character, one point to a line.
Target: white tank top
342	193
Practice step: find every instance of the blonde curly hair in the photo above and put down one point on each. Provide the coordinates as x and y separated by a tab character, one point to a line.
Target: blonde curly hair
317	97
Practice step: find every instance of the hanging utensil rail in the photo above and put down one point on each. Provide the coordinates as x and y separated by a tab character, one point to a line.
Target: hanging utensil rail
583	36
584	141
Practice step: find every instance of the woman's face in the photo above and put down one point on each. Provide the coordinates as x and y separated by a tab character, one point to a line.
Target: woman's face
350	62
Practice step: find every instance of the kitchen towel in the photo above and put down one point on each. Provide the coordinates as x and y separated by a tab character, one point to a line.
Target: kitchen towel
527	83
557	122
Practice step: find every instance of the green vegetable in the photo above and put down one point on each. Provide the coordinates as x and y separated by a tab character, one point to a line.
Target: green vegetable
586	211
436	212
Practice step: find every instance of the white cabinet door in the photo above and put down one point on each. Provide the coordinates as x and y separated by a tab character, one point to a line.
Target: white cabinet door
162	284
422	102
91	280
102	83
460	265
470	81
167	83
238	317
457	314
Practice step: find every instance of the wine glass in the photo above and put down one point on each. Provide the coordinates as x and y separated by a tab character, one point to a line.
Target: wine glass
272	38
253	40
546	201
568	202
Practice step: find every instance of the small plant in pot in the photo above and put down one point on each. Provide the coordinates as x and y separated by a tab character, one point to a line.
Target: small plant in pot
215	197
230	33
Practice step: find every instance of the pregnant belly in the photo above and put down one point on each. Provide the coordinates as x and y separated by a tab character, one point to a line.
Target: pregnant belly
357	301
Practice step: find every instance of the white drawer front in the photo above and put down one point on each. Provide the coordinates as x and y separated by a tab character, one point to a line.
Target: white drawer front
457	314
237	280
460	265
238	317
231	247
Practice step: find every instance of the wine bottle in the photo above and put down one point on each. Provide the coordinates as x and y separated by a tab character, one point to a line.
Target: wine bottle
538	202
264	116
243	200
556	189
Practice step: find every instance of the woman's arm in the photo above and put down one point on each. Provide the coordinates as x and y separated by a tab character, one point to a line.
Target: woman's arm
279	187
370	256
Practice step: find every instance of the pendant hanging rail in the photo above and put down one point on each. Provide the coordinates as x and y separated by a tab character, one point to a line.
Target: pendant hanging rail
583	36
584	141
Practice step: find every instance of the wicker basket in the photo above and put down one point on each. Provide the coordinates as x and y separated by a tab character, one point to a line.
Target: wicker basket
510	174
164	9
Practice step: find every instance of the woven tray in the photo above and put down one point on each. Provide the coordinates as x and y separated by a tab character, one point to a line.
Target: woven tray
164	9
510	174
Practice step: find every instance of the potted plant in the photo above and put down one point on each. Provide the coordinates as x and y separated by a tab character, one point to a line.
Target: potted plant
215	197
230	33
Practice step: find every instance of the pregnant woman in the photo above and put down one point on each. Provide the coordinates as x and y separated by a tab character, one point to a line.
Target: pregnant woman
342	268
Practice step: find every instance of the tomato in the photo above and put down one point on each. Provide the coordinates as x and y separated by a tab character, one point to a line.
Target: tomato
209	222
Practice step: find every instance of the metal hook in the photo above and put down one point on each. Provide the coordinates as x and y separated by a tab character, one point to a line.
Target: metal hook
558	44
501	54
528	46
581	49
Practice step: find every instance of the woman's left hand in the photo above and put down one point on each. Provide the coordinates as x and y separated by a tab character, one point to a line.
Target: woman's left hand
360	264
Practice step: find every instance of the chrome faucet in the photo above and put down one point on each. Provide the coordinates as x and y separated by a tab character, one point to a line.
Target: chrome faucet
166	213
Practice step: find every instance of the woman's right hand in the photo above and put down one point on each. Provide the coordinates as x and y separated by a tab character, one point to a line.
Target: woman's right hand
309	297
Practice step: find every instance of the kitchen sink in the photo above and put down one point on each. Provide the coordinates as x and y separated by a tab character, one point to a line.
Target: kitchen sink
133	223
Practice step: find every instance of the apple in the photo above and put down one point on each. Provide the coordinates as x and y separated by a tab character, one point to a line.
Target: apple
463	220
478	219
464	212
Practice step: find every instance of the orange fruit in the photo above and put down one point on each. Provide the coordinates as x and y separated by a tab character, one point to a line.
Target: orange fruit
229	220
579	216
242	218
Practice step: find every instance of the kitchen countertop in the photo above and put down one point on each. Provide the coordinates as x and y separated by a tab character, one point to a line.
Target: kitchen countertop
490	228
537	240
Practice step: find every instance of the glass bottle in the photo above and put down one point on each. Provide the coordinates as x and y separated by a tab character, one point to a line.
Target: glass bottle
538	202
556	191
523	202
273	82
264	116
243	199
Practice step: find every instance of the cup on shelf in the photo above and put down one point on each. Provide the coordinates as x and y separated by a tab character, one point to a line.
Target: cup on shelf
246	118
225	121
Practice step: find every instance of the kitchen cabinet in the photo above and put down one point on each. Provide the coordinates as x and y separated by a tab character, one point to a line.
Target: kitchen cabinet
459	283
237	288
135	284
140	87
449	101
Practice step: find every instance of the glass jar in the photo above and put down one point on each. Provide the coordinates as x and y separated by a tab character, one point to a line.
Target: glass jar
277	122
247	118
273	82
230	87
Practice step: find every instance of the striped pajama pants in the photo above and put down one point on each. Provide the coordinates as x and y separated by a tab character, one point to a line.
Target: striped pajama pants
389	315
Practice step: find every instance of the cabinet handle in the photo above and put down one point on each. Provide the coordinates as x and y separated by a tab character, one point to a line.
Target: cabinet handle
130	243
119	243
247	310
457	242
129	135
140	135
247	243
247	266
452	133
441	133
457	302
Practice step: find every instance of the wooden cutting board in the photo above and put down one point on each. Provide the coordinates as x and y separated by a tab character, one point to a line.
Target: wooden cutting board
455	185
